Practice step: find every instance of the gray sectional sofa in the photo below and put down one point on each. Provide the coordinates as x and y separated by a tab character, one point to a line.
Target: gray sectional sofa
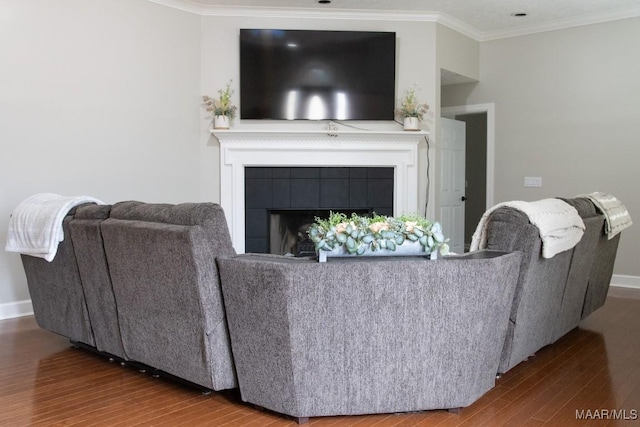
160	285
361	336
139	282
552	295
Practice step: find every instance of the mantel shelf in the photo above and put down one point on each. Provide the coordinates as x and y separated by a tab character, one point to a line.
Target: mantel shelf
322	131
306	133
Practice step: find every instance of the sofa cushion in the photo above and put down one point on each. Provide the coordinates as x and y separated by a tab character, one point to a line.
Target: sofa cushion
56	291
584	206
96	279
165	279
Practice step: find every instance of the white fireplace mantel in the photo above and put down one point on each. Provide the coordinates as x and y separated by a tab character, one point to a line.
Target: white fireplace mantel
352	148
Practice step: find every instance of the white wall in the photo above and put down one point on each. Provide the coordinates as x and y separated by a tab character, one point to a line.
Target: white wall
99	98
567	110
458	53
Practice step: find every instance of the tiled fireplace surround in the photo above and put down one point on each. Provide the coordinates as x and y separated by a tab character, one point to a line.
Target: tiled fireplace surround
305	192
345	152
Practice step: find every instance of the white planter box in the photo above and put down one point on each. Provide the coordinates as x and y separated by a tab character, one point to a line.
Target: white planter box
408	248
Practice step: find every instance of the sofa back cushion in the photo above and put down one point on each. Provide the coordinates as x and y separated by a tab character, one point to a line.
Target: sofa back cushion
584	206
56	291
540	289
604	256
96	279
583	258
165	280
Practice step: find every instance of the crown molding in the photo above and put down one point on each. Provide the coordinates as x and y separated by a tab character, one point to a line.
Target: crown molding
391	15
459	26
299	12
183	5
308	13
560	24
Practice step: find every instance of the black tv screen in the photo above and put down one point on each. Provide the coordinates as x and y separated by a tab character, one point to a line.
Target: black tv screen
317	75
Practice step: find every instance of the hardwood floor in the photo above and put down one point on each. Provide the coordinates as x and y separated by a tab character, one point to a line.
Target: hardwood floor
593	369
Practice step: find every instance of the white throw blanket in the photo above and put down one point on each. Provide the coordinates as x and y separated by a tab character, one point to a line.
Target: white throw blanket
35	227
559	224
616	215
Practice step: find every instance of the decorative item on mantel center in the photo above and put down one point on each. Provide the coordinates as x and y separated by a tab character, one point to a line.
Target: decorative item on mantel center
222	109
411	110
340	236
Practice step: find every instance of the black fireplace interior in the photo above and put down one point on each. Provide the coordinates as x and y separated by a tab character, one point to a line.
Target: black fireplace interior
281	202
288	229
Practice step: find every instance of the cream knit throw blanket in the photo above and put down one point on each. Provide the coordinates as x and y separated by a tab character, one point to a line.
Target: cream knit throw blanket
35	227
616	215
559	224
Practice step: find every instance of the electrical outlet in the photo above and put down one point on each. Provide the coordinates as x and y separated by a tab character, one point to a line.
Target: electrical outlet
532	181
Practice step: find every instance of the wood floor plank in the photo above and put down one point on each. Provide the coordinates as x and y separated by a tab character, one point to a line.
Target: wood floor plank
46	382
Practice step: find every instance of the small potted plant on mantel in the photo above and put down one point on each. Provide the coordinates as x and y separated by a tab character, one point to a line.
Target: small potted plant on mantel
411	110
221	109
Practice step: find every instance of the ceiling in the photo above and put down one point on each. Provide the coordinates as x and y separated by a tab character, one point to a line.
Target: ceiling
480	19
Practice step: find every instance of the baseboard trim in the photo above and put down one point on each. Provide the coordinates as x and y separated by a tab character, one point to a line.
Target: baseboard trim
624	281
10	310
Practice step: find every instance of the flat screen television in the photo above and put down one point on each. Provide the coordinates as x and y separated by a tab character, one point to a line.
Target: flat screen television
317	75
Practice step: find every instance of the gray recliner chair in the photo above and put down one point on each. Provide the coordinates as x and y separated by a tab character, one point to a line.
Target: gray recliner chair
540	289
165	281
57	295
583	258
601	273
603	251
96	278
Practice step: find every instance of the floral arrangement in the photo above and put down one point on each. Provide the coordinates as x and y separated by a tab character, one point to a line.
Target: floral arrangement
410	106
359	233
221	106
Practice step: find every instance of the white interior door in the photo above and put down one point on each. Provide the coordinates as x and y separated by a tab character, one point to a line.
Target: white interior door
452	182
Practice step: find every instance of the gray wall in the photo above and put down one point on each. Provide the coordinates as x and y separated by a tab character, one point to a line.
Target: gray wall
567	105
98	98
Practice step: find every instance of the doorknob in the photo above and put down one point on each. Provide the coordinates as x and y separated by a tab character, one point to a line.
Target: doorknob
463	198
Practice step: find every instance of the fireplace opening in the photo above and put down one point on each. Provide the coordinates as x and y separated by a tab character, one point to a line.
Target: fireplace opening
292	191
288	229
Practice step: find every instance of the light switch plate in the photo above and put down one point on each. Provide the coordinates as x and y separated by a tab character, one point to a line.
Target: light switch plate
532	181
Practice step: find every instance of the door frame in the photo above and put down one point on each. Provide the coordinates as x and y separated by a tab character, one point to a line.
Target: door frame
451	112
